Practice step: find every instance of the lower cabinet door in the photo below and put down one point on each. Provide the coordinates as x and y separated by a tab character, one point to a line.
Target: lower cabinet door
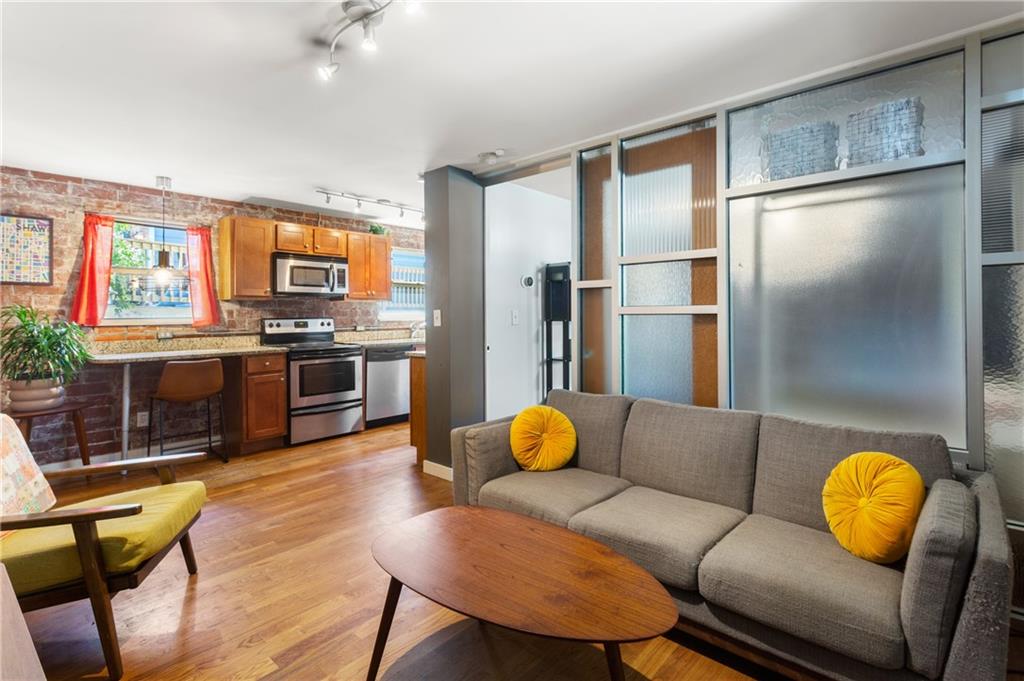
266	406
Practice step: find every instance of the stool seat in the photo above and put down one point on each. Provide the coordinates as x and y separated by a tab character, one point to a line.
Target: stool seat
190	381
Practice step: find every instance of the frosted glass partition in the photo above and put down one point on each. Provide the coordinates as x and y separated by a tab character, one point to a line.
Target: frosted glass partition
595	344
598	249
848	303
1003	314
682	282
1002	65
1002	180
904	112
670	357
668	190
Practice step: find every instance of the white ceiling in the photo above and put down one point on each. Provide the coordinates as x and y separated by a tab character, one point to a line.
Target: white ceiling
223	97
556	182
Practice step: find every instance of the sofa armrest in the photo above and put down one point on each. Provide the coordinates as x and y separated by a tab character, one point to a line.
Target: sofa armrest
471	470
982	635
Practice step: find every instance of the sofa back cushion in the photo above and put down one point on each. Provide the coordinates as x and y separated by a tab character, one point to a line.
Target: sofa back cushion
702	453
794	458
599	421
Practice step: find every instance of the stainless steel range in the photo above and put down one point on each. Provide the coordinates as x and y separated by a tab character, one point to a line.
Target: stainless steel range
325	379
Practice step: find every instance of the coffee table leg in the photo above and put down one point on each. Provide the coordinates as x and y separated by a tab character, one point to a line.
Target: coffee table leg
614	656
388	614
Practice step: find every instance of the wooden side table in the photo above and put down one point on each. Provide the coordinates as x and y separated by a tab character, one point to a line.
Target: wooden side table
73	407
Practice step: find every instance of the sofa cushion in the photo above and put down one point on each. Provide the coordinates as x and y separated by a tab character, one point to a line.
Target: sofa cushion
702	453
936	573
665	533
488	453
554	496
794	458
800	581
599	421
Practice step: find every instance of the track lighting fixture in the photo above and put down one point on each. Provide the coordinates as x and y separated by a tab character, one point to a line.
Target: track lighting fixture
383	203
369	37
327	72
359	206
367	13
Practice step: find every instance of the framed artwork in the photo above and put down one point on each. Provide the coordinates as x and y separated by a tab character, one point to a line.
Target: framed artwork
26	250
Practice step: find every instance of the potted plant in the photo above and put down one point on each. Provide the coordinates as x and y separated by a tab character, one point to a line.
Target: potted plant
39	355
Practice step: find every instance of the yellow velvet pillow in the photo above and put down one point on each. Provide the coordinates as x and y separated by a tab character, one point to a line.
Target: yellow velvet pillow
542	438
871	501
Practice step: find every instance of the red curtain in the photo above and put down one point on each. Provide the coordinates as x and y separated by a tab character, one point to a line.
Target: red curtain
94	280
200	278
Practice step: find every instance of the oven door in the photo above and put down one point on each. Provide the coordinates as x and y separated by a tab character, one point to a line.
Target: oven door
325	380
310	276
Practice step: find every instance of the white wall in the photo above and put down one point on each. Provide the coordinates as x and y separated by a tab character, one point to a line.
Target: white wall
525	229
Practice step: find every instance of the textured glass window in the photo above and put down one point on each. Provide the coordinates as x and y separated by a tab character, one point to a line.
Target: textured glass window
597	219
1003	315
848	304
1002	65
595	345
1002	180
686	282
670	357
904	112
668	190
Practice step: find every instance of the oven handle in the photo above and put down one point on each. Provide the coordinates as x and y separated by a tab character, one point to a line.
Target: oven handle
324	360
328	408
334	277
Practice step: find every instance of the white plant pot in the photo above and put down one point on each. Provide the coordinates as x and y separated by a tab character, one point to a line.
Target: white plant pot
36	394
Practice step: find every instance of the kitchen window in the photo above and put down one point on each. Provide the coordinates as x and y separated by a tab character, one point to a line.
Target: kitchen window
408	287
136	292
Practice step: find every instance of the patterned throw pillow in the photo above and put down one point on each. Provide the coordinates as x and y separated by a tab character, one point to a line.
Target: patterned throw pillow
23	489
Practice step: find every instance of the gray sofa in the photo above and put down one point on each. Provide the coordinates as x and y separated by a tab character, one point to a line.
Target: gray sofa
724	508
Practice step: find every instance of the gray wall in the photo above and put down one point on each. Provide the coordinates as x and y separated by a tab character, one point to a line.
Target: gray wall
454	204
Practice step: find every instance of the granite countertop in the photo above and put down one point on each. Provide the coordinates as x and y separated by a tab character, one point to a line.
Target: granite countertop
170	354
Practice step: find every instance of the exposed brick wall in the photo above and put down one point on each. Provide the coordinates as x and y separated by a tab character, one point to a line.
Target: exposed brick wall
66	200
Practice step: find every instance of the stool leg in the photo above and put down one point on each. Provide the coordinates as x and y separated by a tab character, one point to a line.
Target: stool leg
223	436
149	429
83	443
209	427
25	425
161	405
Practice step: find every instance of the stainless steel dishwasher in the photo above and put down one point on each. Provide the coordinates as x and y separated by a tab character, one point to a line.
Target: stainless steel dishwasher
387	382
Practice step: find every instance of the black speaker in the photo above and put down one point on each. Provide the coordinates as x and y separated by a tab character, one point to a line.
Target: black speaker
557	292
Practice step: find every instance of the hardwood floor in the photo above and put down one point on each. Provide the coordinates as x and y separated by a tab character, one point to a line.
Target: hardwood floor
287	588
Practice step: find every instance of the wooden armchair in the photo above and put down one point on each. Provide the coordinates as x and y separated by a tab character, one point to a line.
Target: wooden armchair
96	548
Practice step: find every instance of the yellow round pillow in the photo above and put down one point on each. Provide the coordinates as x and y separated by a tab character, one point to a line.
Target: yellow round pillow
542	438
871	501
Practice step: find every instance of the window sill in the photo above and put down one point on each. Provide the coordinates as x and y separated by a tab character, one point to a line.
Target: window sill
136	321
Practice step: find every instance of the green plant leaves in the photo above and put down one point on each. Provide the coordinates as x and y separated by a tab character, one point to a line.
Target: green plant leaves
33	346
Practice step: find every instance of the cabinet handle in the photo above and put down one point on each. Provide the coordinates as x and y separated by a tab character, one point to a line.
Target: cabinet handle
266	290
282	378
305	245
266	364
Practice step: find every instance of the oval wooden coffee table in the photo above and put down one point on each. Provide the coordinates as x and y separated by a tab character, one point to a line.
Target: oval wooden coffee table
523	574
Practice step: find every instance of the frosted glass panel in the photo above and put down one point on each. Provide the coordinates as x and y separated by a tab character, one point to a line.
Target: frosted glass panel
686	282
1002	65
657	357
597	219
595	347
904	112
668	190
1002	180
848	303
1003	287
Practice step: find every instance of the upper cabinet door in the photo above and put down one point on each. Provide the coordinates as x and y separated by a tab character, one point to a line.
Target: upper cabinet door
380	267
252	242
294	238
358	266
329	242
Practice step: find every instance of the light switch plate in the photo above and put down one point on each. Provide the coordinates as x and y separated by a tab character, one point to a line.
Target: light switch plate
515	317
437	318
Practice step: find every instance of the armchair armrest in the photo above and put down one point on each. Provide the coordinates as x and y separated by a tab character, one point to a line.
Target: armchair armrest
488	455
67	516
161	464
466	484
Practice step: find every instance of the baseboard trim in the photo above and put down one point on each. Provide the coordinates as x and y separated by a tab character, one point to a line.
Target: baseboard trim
196	444
437	470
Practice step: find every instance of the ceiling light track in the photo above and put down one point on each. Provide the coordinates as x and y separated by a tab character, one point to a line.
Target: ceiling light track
366	13
402	208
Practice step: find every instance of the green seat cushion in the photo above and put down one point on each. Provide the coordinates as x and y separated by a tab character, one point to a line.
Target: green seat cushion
45	557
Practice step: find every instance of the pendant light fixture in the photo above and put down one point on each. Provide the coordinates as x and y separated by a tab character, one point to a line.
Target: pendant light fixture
163	273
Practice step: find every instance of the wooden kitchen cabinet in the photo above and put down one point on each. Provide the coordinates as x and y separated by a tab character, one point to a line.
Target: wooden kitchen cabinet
330	242
266	406
294	238
255	402
245	245
369	266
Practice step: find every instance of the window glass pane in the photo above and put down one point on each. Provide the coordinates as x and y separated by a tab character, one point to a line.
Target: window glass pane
597	219
670	357
408	285
848	305
900	113
1003	315
686	282
668	190
135	290
595	348
1002	65
1002	180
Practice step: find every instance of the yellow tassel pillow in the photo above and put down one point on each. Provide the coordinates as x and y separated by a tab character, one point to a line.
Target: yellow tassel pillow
871	501
542	439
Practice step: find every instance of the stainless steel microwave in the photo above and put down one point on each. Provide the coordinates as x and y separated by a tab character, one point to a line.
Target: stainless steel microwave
309	275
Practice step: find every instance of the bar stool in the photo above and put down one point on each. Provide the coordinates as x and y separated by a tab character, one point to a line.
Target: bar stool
184	382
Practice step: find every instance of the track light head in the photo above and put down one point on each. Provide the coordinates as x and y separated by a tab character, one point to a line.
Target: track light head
369	36
359	206
327	72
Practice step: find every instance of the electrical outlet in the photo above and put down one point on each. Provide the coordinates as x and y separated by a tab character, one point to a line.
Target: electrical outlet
437	318
142	419
164	335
